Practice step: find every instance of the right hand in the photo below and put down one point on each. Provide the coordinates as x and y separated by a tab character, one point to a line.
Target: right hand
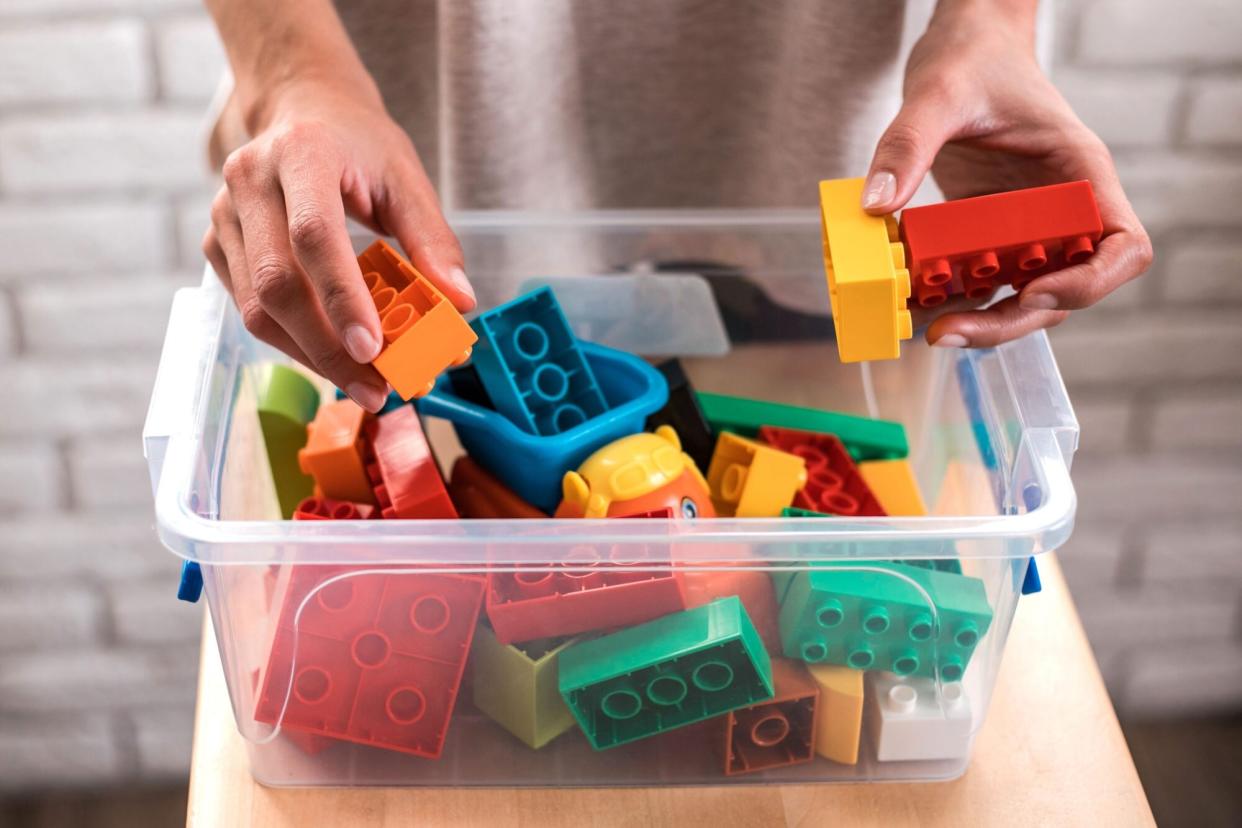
279	243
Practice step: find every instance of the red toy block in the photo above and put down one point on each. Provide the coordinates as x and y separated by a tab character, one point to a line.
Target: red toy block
323	508
778	732
584	593
370	657
335	451
477	494
974	245
833	483
752	585
406	480
423	333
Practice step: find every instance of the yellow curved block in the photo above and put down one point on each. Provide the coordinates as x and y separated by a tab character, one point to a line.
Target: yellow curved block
868	283
839	723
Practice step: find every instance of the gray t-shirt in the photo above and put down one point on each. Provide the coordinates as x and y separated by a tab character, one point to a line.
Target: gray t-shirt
579	104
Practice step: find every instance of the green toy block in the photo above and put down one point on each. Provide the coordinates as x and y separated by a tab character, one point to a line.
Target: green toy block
866	439
667	673
781	579
287	401
516	685
890	616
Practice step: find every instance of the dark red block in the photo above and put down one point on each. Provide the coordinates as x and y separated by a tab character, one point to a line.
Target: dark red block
974	245
323	508
623	586
370	657
403	471
833	483
778	732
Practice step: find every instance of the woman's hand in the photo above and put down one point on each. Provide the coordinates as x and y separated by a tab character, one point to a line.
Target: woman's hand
980	115
278	240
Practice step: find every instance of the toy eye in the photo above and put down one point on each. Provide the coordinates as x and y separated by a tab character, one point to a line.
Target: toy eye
689	509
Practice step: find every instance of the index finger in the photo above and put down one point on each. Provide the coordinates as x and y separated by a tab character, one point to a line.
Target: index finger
320	241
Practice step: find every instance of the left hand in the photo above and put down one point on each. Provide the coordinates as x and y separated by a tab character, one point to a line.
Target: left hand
981	116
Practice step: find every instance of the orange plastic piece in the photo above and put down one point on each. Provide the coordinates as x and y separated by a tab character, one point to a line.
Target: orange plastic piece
779	731
423	333
477	494
335	452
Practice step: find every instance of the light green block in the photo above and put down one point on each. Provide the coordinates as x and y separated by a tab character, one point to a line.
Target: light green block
287	401
516	686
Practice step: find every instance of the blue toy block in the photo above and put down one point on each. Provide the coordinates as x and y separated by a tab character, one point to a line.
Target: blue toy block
533	465
1030	582
191	586
529	361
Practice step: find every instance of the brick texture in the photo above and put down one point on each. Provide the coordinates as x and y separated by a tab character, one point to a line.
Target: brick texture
103	201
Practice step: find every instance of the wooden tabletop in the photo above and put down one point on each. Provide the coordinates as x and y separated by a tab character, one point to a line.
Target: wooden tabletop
1050	753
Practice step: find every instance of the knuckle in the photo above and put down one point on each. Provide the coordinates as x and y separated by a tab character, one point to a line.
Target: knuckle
241	165
274	282
902	139
335	297
309	230
333	362
221	208
257	321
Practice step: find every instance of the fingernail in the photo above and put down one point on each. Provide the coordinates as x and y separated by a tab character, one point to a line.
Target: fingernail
1038	301
880	189
367	396
361	344
458	277
951	341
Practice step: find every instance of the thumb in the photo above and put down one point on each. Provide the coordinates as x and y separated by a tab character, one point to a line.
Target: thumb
904	154
414	218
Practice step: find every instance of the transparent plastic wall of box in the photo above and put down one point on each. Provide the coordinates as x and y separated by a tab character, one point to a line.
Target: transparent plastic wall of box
996	424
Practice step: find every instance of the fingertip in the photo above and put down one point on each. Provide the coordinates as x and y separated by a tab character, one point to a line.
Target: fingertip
466	300
879	191
1038	301
363	345
368	396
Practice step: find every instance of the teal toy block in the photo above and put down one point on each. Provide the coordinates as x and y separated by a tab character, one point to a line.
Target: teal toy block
885	616
864	438
532	368
667	673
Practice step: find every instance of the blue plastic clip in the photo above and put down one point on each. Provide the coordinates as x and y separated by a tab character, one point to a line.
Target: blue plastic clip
191	586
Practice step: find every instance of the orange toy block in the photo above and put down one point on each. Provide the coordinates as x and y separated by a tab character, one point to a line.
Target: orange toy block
423	333
335	453
477	494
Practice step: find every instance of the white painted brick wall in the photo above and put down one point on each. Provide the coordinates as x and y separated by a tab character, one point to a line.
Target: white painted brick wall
190	59
31	478
91	62
103	200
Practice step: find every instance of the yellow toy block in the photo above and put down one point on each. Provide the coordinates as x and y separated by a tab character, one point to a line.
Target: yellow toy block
839	726
749	479
868	283
893	484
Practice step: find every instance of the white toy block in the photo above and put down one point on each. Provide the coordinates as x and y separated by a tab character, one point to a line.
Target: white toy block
910	720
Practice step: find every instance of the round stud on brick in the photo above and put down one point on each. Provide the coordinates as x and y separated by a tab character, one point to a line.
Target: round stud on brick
770	730
405	705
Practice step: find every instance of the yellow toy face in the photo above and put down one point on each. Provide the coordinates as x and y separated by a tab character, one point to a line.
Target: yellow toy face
635	475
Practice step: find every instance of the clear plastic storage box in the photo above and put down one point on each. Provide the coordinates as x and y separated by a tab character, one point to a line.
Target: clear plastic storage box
740	297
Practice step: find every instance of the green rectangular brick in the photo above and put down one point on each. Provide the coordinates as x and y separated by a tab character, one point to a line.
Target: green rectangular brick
891	616
516	685
666	673
865	438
